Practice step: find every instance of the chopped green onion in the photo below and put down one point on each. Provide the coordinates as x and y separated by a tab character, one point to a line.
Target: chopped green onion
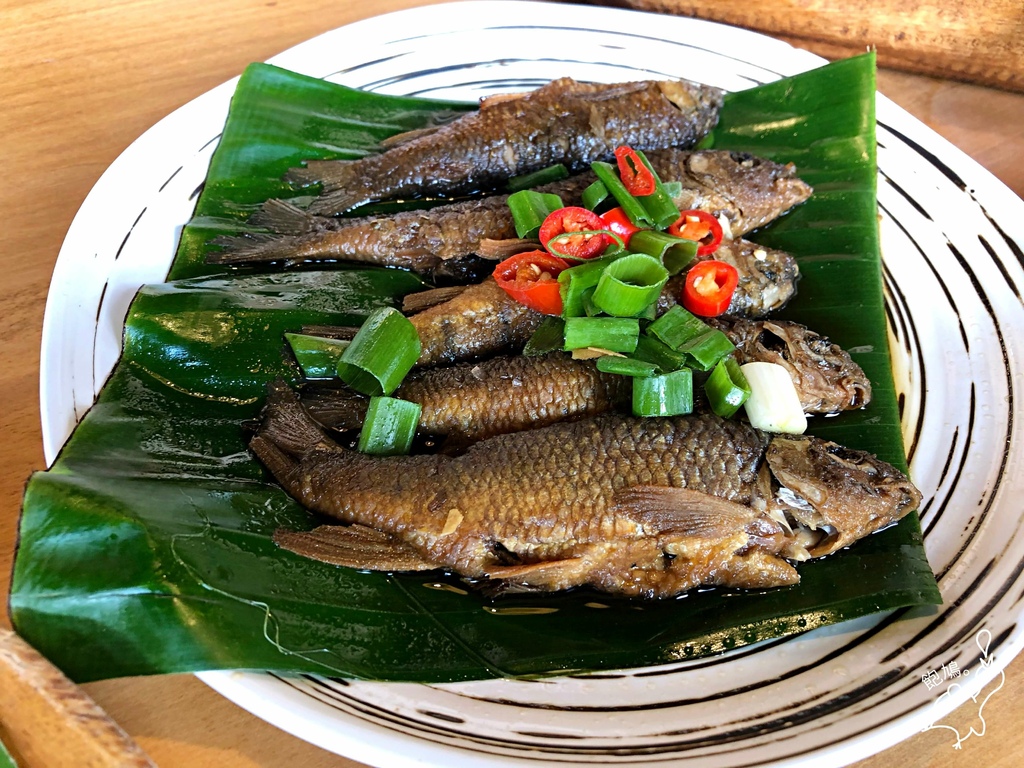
575	281
389	427
708	348
317	357
385	349
727	388
676	253
659	205
630	285
674	189
651	350
549	336
633	208
616	334
529	209
774	404
589	307
547	175
626	366
594	195
670	394
677	326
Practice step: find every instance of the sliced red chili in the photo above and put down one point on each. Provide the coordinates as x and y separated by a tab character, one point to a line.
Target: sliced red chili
531	278
618	222
709	287
572	232
700	226
634	174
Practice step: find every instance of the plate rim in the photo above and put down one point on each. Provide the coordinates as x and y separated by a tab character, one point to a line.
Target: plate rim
948	151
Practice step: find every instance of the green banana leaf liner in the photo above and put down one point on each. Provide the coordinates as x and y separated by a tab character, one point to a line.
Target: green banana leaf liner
146	547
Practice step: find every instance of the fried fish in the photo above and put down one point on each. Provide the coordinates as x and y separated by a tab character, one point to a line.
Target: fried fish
638	507
562	122
744	190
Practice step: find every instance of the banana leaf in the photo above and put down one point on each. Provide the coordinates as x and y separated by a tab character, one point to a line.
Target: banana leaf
146	547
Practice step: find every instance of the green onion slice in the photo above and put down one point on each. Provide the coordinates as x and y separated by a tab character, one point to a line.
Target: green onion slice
317	357
616	334
676	253
674	189
653	351
634	209
594	195
549	337
708	348
670	394
575	281
390	426
529	209
547	175
630	285
659	205
626	366
727	388
678	326
385	349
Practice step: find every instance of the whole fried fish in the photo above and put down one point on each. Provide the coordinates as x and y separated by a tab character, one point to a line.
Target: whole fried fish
472	401
747	191
639	507
562	122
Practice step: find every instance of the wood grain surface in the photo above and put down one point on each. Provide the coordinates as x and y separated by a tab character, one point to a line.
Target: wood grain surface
979	41
79	81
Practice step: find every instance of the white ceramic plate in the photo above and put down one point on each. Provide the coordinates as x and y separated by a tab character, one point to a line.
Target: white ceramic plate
952	238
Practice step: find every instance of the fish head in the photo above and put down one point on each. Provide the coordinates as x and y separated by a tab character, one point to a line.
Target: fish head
839	494
760	188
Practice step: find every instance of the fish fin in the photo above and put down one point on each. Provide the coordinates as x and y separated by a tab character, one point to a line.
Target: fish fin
534	572
500	98
335	408
421	300
355	546
252	248
283	217
682	511
286	426
317	171
406	136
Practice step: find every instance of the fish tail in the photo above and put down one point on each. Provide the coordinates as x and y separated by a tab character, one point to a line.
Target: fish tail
286	428
336	408
252	248
284	218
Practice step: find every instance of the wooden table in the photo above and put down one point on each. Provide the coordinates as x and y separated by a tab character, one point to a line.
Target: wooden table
80	81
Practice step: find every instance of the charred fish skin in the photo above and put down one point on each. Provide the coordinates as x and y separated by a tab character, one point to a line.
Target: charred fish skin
561	122
827	379
646	508
473	401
